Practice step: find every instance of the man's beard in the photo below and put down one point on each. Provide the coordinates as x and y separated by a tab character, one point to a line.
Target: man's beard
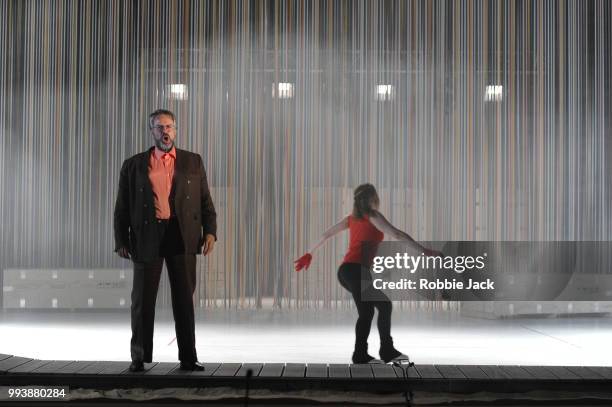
164	147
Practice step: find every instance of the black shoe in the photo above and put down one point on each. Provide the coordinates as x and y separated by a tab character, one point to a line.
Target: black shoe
393	355
137	366
194	366
359	359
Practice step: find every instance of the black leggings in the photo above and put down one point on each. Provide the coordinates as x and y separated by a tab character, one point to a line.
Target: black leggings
352	276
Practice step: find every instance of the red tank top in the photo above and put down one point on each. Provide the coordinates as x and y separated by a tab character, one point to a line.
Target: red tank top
361	230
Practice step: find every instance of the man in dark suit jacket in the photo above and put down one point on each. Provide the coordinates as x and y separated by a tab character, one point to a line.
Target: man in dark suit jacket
163	211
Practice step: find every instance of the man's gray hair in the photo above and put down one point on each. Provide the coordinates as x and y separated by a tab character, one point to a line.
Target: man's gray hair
160	112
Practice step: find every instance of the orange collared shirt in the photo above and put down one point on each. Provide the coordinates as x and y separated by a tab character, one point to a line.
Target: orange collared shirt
161	173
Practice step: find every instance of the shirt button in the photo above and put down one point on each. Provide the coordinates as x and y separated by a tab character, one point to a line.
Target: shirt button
188	181
141	189
187	196
145	205
146	222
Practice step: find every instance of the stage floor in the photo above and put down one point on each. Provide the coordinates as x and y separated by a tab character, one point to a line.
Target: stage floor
314	336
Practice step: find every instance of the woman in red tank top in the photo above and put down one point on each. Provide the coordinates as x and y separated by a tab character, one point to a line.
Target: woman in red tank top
365	224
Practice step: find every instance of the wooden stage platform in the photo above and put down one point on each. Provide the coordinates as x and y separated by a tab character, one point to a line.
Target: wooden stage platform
22	371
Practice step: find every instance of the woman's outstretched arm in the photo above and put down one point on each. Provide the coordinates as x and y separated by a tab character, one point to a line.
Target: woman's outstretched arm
332	231
304	261
382	224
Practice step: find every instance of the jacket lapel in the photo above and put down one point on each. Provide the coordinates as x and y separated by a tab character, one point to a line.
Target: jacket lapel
144	172
179	172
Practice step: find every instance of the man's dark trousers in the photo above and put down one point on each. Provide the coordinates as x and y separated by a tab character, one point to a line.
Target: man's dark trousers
182	276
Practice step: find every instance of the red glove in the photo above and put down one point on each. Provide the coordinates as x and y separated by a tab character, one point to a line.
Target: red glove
303	262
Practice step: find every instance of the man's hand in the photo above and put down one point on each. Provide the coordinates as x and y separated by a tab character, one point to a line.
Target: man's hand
209	243
123	252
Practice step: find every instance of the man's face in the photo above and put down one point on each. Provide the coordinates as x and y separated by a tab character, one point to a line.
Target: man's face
164	132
